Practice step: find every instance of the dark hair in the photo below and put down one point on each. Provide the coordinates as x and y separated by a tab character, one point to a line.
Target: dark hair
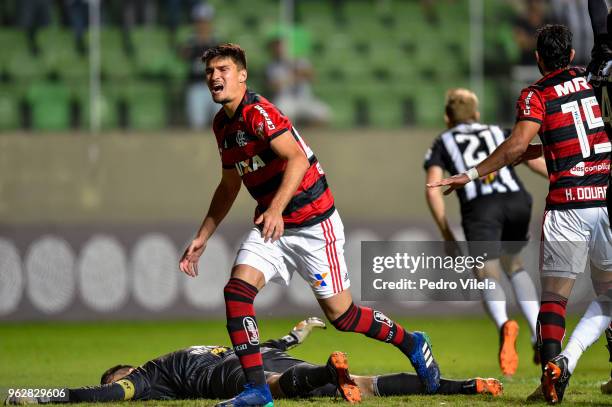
554	46
230	50
106	376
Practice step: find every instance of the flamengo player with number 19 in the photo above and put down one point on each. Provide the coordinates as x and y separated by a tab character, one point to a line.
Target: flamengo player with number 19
562	109
576	147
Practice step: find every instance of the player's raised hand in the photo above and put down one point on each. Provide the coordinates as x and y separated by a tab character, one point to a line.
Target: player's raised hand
454	182
272	224
189	260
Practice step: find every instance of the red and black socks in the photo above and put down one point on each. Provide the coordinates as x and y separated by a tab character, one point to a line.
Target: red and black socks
374	324
242	327
551	326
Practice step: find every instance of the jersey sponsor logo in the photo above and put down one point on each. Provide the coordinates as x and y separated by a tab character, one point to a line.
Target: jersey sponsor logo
383	319
266	117
575	85
250	327
580	169
249	165
240	138
527	109
489	178
320	280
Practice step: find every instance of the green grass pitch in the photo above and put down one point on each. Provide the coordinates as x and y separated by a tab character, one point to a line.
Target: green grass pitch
46	355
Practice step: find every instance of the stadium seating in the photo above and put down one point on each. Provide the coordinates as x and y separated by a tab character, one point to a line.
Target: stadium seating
9	108
365	53
109	116
116	63
50	105
146	105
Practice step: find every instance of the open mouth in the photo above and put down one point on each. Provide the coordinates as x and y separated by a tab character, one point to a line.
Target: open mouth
217	88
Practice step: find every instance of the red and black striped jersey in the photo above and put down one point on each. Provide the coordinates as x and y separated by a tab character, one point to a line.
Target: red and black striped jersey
576	147
244	144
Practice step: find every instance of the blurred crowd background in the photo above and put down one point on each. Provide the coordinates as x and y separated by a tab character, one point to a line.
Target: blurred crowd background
335	63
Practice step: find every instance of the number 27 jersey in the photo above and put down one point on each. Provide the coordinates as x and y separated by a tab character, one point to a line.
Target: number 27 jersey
576	147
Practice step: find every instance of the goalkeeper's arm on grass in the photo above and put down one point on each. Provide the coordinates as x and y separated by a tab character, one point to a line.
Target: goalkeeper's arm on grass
121	382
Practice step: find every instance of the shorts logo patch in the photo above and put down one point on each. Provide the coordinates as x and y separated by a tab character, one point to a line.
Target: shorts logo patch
383	319
320	280
250	327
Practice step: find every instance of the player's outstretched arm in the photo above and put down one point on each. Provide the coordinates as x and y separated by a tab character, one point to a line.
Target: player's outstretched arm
435	201
297	335
507	153
221	203
286	147
103	393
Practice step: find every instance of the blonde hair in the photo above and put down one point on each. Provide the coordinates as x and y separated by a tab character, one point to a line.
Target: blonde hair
461	105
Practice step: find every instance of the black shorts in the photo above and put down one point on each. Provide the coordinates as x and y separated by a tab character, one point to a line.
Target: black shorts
227	378
500	220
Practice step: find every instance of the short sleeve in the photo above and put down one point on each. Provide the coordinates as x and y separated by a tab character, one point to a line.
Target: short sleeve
529	106
435	156
266	121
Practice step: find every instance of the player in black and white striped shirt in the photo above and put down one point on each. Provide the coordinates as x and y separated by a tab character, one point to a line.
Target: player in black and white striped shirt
494	209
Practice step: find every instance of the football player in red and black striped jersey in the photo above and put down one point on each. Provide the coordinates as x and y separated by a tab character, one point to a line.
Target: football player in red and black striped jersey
297	228
563	110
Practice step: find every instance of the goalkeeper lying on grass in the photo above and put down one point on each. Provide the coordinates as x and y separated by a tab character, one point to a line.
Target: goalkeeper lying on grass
213	372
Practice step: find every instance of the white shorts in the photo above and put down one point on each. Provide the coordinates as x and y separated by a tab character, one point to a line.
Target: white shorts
573	237
316	252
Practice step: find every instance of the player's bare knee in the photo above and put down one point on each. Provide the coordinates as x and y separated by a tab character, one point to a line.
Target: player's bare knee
490	270
336	306
603	289
510	264
557	286
249	275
